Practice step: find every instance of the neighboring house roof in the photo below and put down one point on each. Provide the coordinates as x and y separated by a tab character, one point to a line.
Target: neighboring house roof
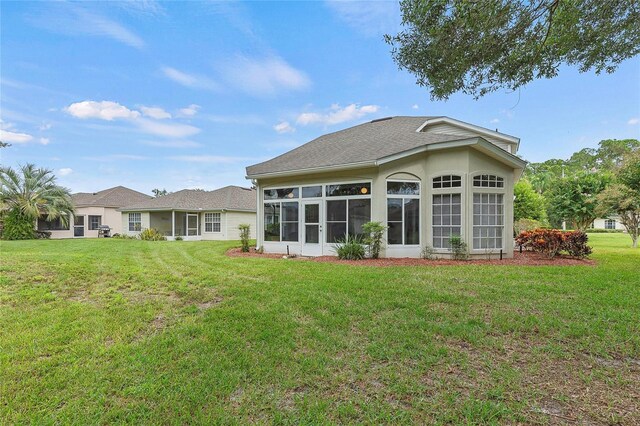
368	143
227	198
118	196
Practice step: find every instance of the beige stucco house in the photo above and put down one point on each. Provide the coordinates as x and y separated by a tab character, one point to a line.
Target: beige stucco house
610	223
92	211
194	214
426	178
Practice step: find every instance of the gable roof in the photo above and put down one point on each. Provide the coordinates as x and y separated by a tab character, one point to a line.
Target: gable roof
366	144
227	198
117	196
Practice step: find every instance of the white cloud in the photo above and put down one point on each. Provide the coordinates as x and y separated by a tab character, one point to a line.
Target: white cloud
284	127
189	111
633	121
371	18
110	111
168	130
336	114
494	121
14	137
211	159
415	106
44	126
44	141
104	110
65	171
172	144
72	19
189	80
155	112
265	76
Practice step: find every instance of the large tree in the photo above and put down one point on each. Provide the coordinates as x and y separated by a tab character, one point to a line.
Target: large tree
477	47
574	198
28	194
623	198
528	204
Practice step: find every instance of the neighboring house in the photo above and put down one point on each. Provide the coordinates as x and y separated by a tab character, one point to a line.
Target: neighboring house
612	222
194	214
426	178
93	210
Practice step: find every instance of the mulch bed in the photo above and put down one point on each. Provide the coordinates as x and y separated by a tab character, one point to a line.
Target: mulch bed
526	258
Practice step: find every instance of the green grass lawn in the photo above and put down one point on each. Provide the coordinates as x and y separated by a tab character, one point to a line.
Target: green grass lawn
116	331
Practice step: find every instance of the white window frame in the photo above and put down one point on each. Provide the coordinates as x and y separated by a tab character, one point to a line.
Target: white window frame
488	190
609	224
89	227
461	190
343	197
133	221
498	179
323	199
403	197
210	219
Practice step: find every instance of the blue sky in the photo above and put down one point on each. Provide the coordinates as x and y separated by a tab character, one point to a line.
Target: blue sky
186	94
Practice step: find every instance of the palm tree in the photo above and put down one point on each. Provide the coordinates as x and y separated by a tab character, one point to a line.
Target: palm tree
31	193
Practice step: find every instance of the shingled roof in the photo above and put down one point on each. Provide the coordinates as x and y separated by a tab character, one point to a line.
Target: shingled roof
359	144
227	198
118	196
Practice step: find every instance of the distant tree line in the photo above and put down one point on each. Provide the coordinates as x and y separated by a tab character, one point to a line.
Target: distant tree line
592	183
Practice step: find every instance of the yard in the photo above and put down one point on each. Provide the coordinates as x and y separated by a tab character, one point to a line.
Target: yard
116	331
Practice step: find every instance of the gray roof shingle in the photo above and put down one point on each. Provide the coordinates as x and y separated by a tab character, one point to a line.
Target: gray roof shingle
118	196
228	198
366	142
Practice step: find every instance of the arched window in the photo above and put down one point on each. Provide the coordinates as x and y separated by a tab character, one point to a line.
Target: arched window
447	181
488	181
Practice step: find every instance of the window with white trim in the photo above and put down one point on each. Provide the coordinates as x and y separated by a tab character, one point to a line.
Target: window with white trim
135	222
488	181
446	219
94	222
609	224
488	221
281	221
212	222
403	213
447	181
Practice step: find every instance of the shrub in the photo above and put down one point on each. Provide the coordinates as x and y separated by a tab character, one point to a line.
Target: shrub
124	237
350	248
43	235
458	248
178	238
521	225
428	252
604	231
575	243
553	241
18	227
152	234
373	240
245	231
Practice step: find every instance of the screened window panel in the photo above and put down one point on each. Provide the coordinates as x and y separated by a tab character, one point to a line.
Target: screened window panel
312	191
446	219
488	221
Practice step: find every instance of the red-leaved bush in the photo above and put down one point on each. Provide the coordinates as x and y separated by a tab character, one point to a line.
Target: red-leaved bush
553	241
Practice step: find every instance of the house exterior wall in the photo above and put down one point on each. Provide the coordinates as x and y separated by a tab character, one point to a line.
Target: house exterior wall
600	223
145	218
422	167
109	216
